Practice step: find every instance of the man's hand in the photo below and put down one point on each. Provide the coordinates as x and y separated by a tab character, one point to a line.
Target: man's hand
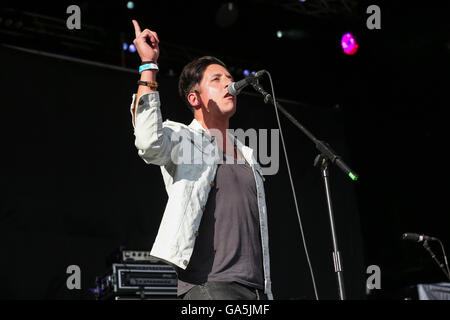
148	51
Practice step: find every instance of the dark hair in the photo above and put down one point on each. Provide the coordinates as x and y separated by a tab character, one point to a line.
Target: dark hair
192	74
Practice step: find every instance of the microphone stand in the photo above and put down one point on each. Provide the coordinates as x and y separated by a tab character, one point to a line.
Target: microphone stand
324	158
441	265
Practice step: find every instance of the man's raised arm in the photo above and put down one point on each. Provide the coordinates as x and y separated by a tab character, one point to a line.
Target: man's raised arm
148	51
153	141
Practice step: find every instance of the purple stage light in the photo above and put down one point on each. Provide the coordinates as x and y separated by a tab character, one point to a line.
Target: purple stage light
349	44
246	73
132	48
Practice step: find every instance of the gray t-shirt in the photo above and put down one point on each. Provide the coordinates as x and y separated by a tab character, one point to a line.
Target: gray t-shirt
228	247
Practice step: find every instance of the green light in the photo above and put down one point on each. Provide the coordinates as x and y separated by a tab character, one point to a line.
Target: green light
354	178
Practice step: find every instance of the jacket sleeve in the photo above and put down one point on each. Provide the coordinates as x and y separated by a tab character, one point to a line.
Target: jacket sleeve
153	140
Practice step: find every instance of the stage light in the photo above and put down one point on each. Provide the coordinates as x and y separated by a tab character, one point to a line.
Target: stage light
132	48
349	44
227	15
292	34
130	5
246	73
124	46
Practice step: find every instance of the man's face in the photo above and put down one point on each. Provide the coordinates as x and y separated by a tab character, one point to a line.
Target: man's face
213	91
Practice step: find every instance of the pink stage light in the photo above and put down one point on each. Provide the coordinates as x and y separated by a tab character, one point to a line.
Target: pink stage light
349	44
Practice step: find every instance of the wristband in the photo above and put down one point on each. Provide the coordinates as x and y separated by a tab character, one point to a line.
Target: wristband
152	84
148	66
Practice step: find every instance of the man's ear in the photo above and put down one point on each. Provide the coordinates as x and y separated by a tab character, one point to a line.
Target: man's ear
193	100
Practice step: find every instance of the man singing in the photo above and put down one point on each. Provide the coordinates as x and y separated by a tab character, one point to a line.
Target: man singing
214	227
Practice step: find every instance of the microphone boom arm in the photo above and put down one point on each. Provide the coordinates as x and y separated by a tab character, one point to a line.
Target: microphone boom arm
322	146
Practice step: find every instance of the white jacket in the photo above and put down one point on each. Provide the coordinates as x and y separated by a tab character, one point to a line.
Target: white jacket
188	168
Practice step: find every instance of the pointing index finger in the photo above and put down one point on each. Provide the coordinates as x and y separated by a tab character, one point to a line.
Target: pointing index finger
137	29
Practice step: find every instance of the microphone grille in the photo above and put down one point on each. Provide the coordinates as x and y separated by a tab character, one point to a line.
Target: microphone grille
412	237
231	89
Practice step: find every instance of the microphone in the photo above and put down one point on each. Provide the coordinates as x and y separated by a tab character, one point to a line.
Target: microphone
235	88
417	237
